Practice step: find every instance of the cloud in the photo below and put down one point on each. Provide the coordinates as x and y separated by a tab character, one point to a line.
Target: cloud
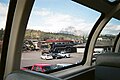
46	20
3	9
114	27
42	12
50	21
111	29
3	14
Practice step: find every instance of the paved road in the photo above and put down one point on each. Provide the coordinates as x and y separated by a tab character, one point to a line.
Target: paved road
30	58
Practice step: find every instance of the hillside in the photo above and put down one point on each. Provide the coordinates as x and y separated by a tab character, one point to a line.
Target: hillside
37	34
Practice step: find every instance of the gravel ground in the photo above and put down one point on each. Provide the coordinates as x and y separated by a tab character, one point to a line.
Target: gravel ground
33	57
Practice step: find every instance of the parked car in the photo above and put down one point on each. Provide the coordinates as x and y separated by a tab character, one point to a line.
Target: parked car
64	65
95	54
46	56
41	67
64	54
35	43
56	56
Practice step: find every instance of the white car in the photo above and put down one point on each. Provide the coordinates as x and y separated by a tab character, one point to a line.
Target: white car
95	54
64	65
64	54
46	56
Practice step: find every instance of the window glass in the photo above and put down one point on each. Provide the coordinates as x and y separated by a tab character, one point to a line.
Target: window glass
47	68
3	17
107	37
39	69
34	68
58	26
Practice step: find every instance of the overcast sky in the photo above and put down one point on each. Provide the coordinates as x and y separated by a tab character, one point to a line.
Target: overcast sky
54	15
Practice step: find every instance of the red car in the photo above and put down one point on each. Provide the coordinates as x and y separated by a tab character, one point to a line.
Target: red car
40	67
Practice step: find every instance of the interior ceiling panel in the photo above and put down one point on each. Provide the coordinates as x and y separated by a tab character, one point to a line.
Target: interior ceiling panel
99	5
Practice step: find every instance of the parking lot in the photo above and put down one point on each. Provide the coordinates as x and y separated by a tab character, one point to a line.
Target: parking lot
33	57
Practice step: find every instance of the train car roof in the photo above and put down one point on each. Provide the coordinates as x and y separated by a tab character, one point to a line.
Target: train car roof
103	6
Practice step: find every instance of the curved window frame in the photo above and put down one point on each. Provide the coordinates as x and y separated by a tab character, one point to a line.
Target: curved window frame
8	41
11	11
11	41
